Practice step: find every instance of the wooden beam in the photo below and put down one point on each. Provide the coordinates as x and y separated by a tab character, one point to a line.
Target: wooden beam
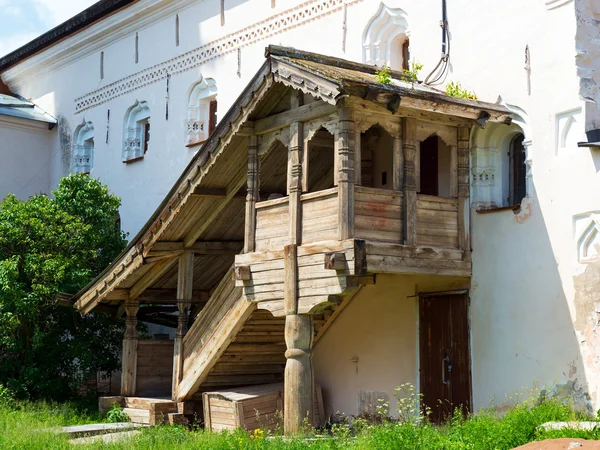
335	261
344	155
253	184
300	114
165	296
130	347
410	183
464	210
241	273
157	271
175	248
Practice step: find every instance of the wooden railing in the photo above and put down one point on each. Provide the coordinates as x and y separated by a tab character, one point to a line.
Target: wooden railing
378	214
320	216
437	221
272	224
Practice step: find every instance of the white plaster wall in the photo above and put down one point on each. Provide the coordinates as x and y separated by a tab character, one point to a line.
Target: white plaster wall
24	158
523	298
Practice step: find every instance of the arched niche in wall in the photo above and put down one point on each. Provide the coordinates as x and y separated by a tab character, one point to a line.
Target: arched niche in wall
385	39
202	111
587	233
496	171
83	148
136	132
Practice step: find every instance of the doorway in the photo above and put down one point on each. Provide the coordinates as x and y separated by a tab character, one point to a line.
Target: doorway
444	354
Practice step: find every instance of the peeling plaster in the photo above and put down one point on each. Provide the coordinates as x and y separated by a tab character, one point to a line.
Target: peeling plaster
568	392
587	321
65	135
525	211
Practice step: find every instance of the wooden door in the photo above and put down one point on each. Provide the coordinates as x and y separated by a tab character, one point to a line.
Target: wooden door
445	364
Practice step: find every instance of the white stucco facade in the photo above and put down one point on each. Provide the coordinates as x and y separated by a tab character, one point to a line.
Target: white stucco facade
533	302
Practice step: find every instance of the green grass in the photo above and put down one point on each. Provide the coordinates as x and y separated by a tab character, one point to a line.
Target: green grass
25	427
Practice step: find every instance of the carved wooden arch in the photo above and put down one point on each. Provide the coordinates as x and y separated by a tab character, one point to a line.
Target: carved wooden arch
266	142
392	126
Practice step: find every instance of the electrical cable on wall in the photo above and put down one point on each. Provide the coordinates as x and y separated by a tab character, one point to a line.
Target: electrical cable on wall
440	70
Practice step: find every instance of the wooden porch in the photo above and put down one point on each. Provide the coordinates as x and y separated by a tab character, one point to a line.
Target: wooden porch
314	183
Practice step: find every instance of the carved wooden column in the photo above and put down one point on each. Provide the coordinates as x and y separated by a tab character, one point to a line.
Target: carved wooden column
344	146
130	347
357	158
252	196
299	377
295	180
410	183
185	286
464	210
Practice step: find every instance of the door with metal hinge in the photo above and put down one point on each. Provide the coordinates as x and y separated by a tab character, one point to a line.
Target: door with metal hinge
444	355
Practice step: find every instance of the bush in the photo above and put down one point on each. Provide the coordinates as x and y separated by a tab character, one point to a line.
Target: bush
50	245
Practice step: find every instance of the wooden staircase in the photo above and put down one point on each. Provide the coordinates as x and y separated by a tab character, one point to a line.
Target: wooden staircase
215	328
149	411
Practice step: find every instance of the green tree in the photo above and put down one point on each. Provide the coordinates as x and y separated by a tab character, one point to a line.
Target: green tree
50	245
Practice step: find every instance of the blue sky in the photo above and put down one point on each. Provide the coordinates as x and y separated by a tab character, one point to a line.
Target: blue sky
24	20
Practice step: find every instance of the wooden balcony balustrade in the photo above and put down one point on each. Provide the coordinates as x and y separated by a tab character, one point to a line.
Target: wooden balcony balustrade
378	217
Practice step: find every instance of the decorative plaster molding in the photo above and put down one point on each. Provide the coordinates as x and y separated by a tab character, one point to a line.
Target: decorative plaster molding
278	23
96	37
569	129
587	233
553	4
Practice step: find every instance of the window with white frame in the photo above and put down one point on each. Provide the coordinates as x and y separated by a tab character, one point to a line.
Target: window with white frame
202	111
385	39
83	150
136	132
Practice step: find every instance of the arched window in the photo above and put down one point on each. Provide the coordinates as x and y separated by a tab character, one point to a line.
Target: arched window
518	180
202	111
136	132
385	39
83	150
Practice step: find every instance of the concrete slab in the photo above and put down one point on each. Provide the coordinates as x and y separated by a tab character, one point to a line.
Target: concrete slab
98	428
107	438
582	426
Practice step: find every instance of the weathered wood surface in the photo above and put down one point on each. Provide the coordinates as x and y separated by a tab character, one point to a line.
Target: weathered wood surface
437	221
130	348
315	283
410	181
251	407
185	287
154	368
272	224
215	328
464	210
378	214
319	216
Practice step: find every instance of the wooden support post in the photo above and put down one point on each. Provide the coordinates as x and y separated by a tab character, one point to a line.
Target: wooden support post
410	185
357	159
130	346
299	377
464	210
295	180
344	146
398	180
252	197
185	286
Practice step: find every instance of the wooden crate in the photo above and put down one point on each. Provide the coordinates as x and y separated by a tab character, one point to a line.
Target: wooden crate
251	407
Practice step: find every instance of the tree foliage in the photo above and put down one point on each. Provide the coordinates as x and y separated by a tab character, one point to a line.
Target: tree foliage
50	245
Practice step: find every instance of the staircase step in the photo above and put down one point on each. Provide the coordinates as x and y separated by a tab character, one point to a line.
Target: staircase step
106	438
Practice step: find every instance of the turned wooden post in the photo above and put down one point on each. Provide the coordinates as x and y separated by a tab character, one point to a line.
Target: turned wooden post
299	377
357	159
295	180
252	196
344	146
185	286
130	347
410	182
464	209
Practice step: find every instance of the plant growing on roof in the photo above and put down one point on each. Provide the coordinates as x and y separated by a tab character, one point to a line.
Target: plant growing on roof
383	75
454	89
413	72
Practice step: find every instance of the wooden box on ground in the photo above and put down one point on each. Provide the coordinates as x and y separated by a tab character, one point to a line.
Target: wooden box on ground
251	407
149	411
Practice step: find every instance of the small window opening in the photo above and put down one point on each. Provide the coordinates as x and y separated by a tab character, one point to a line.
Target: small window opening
406	55
377	158
212	118
83	149
136	132
137	48
202	111
435	167
222	12
321	155
177	30
518	184
273	172
146	136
